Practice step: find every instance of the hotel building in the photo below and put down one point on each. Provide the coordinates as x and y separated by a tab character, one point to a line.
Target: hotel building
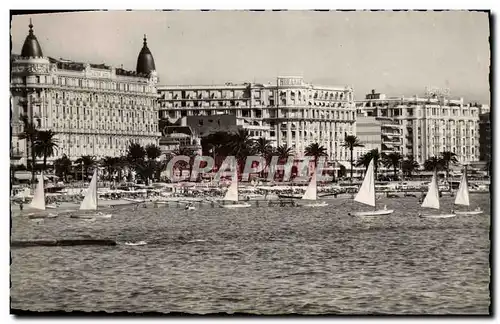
430	124
94	109
289	112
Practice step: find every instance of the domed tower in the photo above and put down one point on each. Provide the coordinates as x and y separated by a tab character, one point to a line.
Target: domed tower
29	90
145	61
31	47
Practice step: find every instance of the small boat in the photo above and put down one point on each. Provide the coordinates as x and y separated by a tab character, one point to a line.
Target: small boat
432	200
462	197
243	205
90	201
312	193
366	195
136	243
232	195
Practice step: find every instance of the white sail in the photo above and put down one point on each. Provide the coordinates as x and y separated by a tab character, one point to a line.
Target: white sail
432	198
90	200
366	194
311	191
38	201
463	191
232	192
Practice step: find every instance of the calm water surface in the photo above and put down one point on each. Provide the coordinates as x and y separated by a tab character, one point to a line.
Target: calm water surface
260	260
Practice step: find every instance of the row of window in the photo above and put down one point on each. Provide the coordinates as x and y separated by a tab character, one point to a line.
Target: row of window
87	83
75	112
102	126
84	140
77	97
256	94
326	115
243	104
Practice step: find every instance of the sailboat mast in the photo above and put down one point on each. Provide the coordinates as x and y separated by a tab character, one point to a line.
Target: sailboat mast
96	187
466	183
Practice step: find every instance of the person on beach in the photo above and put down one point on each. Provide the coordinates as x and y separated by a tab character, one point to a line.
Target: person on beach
21	206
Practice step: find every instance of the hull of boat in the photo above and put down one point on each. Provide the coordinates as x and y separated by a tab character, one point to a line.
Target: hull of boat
316	205
290	196
375	213
438	216
472	212
236	206
91	216
50	206
134	200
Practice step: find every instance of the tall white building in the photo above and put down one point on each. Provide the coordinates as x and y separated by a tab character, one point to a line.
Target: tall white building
430	124
94	109
289	112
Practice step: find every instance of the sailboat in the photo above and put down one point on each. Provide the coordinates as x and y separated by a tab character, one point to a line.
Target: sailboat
432	199
366	194
232	194
38	201
462	197
312	193
90	201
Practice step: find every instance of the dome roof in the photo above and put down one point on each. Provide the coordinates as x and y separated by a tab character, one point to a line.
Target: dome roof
31	48
145	61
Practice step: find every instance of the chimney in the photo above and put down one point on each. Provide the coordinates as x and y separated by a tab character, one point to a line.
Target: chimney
373	91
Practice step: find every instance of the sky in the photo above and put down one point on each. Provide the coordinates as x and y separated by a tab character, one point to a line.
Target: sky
397	53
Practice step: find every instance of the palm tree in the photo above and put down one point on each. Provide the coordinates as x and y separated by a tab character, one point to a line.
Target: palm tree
146	169
365	160
448	157
351	141
13	169
62	167
263	146
316	151
409	165
393	160
264	149
283	152
433	163
30	134
45	145
153	151
135	153
86	162
241	146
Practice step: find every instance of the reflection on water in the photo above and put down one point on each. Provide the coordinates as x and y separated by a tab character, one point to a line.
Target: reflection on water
260	260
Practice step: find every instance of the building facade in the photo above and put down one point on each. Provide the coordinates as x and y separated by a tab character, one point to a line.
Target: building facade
381	133
93	109
430	125
485	137
289	112
204	125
